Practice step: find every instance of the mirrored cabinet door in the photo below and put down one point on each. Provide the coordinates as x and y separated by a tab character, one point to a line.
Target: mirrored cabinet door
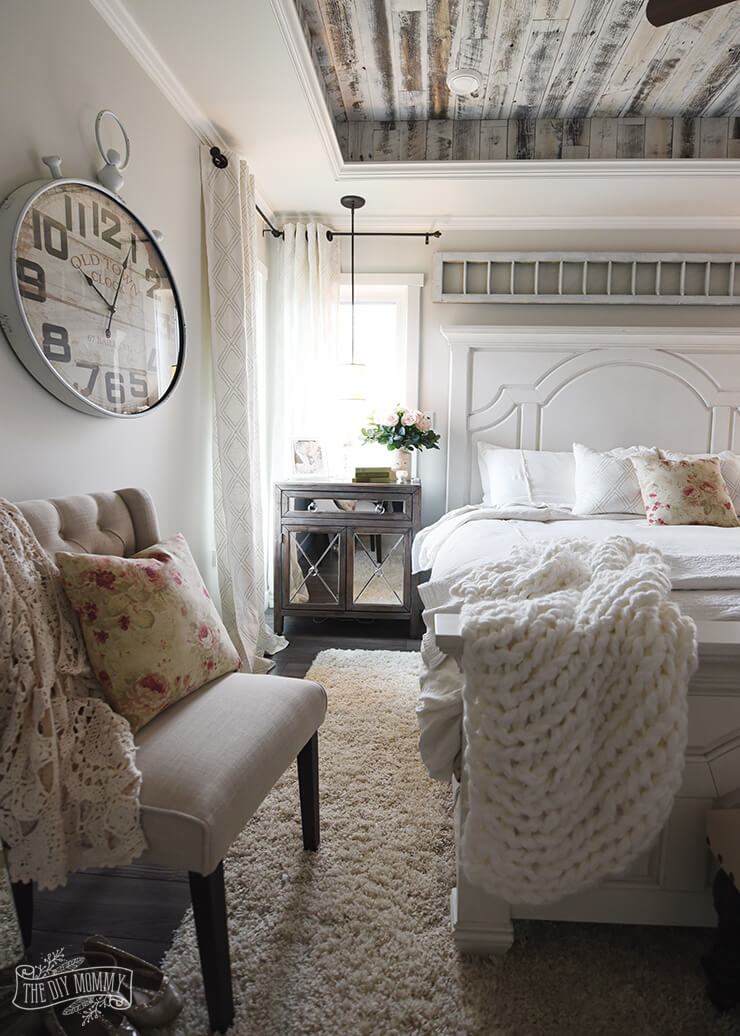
313	567
379	569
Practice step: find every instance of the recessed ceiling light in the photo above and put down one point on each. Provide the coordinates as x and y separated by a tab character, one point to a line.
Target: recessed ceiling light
464	81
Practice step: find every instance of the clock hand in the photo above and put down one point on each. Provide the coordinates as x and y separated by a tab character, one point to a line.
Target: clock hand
94	287
124	264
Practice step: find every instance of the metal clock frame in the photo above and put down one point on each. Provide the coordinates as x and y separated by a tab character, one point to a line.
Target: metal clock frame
20	336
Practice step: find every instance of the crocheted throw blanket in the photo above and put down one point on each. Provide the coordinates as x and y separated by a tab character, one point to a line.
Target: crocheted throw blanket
576	669
69	787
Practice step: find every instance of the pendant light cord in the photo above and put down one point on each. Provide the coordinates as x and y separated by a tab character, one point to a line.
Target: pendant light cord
352	202
352	282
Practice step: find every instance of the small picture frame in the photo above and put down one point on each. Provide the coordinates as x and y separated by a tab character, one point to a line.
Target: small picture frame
308	458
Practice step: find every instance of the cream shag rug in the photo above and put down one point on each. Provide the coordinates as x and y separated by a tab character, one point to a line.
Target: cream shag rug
355	939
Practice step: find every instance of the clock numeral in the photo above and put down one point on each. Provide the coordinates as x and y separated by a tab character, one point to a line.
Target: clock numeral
153	275
94	369
56	343
31	279
138	384
36	224
109	235
114	387
55	245
114	383
54	235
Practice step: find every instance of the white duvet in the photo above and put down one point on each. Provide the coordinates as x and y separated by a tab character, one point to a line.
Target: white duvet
704	560
705	576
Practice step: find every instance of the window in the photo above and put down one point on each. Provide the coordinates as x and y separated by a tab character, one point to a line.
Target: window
387	324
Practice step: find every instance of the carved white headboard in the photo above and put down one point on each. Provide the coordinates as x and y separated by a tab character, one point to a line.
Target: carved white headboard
547	387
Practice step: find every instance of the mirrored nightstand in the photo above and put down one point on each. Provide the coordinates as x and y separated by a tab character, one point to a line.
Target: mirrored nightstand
344	549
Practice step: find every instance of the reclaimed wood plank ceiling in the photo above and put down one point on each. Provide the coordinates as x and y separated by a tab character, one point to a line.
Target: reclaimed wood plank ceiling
388	60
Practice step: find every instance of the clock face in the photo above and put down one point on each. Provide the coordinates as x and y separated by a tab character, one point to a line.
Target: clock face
98	299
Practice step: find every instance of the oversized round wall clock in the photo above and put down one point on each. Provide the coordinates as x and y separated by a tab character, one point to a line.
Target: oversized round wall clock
89	303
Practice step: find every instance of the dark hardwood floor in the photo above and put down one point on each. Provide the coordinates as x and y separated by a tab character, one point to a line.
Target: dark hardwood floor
138	908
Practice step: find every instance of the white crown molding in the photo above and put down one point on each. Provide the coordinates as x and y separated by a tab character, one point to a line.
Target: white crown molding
537	169
295	41
138	44
577	222
450	224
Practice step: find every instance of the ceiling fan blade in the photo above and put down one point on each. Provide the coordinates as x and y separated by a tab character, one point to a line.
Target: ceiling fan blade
661	12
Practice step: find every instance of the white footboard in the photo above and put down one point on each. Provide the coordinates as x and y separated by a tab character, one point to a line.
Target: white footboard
669	885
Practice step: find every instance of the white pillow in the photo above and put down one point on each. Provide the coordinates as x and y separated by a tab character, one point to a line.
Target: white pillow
606	482
729	466
535	477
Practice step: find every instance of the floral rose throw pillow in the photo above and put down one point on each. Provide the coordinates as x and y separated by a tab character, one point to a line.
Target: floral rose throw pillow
684	492
152	632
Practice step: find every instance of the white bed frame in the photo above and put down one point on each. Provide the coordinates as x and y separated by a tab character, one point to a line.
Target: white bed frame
544	388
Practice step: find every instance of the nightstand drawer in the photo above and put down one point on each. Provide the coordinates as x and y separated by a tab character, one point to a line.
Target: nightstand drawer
324	505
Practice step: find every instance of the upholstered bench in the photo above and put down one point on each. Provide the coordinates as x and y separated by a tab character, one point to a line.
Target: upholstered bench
209	760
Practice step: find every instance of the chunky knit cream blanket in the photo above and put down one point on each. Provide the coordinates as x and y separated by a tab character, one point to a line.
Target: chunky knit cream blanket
576	670
69	787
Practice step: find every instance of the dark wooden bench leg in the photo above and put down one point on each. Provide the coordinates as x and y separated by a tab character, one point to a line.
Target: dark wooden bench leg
722	964
308	784
23	900
209	910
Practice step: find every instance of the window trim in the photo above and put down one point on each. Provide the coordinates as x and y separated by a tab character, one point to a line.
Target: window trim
405	289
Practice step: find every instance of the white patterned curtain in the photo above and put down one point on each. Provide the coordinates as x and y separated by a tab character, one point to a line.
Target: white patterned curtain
229	207
304	397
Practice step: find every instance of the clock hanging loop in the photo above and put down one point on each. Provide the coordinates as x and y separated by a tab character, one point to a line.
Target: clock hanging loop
110	174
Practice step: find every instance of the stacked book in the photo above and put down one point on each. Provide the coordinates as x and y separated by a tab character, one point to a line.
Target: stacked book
374	475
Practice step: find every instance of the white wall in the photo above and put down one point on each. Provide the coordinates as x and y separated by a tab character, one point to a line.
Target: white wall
400	255
59	65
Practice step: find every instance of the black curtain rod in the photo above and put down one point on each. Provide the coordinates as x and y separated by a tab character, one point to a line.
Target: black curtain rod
221	161
331	234
273	230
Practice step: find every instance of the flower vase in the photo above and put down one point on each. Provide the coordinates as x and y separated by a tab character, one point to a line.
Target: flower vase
402	465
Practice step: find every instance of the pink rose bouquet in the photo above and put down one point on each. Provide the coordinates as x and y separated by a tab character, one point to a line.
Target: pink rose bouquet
402	429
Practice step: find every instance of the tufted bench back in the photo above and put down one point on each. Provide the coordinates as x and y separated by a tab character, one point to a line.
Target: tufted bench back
119	522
